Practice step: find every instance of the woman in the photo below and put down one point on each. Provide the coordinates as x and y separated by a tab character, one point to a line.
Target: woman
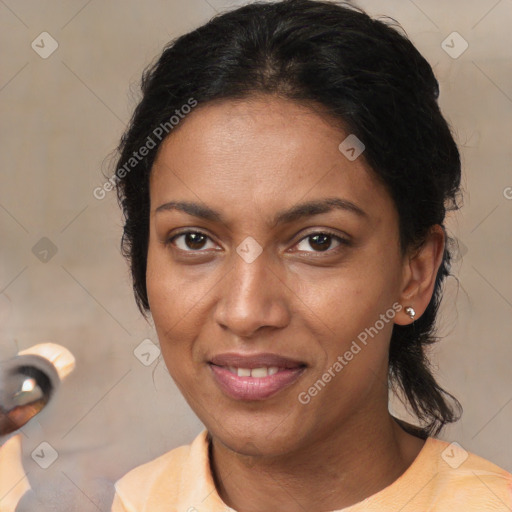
284	182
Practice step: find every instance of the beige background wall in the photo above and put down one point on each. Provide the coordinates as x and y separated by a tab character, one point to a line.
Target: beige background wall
60	119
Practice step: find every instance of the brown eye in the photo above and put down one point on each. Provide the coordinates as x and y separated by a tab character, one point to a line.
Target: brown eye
190	241
321	241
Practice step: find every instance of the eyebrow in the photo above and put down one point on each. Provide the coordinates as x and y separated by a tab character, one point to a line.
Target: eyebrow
297	212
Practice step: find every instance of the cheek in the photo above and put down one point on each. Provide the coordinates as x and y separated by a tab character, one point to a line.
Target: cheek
174	296
351	296
168	304
356	331
161	289
350	303
354	349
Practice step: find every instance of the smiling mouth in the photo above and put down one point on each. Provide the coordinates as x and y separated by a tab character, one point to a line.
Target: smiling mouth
257	383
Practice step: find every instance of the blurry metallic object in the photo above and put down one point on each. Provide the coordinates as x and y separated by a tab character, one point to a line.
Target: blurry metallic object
28	381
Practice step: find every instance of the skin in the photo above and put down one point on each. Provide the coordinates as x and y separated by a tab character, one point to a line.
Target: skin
249	159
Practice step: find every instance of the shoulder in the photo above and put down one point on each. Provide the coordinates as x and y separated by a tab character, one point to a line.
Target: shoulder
462	476
163	474
146	474
445	477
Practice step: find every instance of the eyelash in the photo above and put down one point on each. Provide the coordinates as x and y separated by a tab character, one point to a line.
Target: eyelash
342	241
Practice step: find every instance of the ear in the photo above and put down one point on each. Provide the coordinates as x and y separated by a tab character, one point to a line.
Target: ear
419	275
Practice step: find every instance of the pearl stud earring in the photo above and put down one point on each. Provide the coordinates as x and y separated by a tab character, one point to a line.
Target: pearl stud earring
410	311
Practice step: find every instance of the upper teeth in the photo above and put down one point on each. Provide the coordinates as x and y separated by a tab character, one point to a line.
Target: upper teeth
255	372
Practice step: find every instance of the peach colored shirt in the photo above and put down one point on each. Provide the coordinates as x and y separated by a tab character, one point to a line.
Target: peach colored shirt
442	478
13	479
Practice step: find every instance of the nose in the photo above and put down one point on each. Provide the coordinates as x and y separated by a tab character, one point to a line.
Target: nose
253	296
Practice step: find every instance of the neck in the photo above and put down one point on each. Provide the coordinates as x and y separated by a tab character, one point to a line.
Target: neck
330	473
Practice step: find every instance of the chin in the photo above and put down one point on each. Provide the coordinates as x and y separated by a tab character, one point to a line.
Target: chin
257	435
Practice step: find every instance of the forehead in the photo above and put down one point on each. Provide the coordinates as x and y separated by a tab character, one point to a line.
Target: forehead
265	152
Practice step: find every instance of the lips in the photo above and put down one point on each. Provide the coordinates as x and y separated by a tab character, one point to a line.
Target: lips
254	377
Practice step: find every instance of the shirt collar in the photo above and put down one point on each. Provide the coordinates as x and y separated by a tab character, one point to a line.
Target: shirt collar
200	493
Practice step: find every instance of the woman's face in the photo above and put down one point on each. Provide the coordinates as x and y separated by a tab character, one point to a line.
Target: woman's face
250	280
